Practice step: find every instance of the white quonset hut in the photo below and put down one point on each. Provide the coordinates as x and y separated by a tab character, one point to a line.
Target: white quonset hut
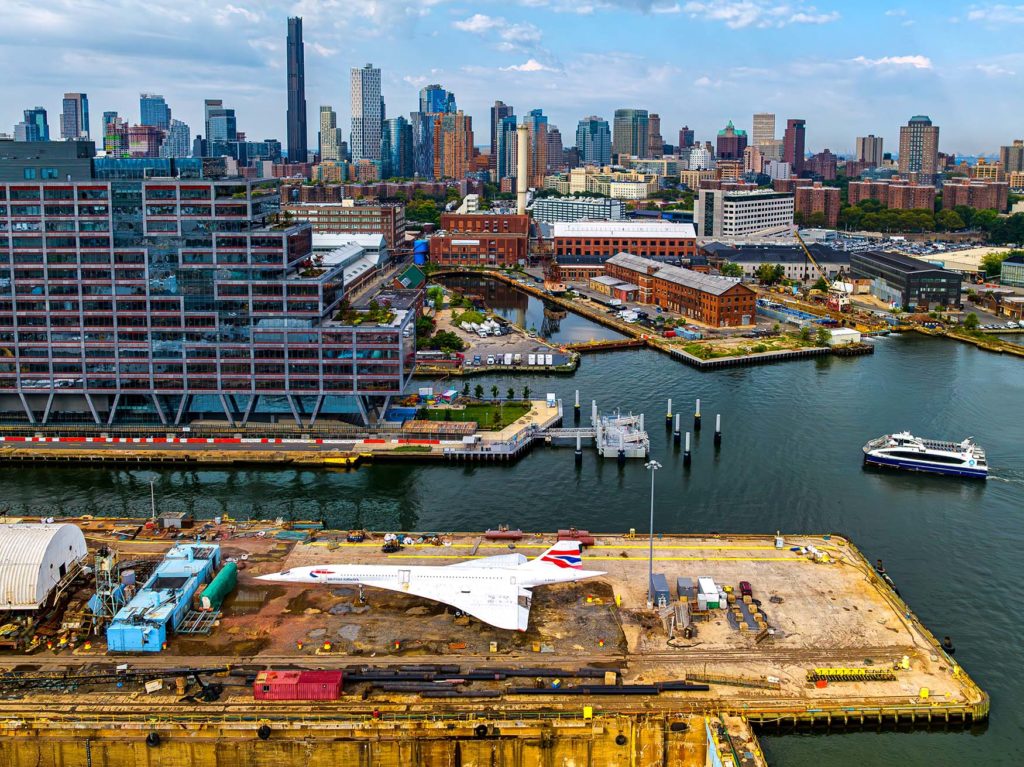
34	559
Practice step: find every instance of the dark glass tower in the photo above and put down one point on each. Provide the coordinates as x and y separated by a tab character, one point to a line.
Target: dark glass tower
296	93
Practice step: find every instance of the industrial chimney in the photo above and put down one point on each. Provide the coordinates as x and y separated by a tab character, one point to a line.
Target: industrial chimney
522	174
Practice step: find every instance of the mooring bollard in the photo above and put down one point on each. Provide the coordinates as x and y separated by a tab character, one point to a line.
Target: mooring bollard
686	452
676	434
696	417
718	430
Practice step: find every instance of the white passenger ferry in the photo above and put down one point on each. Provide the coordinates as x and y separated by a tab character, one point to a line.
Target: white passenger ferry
905	451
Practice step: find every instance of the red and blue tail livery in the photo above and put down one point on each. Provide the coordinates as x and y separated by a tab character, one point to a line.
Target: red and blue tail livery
564	554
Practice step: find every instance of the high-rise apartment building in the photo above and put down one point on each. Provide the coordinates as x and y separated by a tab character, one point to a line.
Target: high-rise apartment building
366	114
655	142
793	145
36	126
731	143
74	118
764	129
919	148
869	149
686	138
594	141
144	140
177	141
297	133
453	145
330	135
108	117
719	213
153	110
630	129
1012	157
396	149
499	112
181	301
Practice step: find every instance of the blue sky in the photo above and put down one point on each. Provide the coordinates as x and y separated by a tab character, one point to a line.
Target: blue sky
847	68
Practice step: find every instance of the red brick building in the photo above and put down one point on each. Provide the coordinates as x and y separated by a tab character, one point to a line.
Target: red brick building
716	301
597	241
896	192
815	198
975	193
481	239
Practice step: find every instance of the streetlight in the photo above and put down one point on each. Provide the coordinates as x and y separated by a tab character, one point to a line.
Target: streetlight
152	499
653	466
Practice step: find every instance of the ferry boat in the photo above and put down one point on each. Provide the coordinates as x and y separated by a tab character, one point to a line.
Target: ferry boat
905	451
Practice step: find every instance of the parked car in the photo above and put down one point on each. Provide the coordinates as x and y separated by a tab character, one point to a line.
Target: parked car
490	359
745	590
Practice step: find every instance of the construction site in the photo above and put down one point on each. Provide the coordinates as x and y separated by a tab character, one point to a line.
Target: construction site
132	641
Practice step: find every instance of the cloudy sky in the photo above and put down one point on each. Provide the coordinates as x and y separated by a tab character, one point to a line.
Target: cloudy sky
847	68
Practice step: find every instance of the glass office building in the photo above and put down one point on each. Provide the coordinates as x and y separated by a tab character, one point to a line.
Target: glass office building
163	300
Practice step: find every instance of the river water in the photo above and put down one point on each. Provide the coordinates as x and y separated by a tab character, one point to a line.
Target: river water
790	460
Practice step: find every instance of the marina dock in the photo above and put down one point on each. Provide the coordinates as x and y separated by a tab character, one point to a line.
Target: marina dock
839	648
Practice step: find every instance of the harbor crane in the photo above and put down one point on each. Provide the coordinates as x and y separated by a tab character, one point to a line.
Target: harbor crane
838	297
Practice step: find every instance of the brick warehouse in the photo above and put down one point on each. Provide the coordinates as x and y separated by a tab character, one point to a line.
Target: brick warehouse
716	301
481	239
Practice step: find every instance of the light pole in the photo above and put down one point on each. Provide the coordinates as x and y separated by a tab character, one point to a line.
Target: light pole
152	499
653	466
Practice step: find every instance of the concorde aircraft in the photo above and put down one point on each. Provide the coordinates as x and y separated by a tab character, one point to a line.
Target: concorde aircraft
494	589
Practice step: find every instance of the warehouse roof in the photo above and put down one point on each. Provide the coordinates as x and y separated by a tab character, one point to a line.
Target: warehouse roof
33	559
647	229
900	262
776	254
686	277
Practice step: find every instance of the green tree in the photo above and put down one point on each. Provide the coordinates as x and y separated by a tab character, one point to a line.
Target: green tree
511	393
985	220
820	285
465	389
992	263
948	220
971	321
479	391
823	336
494	392
805	333
526	392
729	269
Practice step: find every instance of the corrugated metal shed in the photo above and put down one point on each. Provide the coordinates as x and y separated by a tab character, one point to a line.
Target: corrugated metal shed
33	559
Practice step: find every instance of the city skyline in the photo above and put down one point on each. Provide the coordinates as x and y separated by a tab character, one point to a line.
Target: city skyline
797	60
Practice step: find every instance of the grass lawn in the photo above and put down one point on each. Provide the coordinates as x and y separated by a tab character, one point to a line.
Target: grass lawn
487	415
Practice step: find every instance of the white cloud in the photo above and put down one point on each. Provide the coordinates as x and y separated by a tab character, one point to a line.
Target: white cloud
895	62
478	22
896	12
994	70
232	14
531	65
323	50
739	14
997	14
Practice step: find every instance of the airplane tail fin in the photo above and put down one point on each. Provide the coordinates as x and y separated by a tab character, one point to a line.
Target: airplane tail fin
565	554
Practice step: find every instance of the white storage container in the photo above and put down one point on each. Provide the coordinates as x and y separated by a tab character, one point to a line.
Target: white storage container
549	359
531	359
706	585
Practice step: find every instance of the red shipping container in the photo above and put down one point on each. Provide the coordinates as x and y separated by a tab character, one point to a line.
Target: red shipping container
297	685
670	334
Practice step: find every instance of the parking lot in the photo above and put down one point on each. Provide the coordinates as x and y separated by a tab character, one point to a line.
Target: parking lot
513	342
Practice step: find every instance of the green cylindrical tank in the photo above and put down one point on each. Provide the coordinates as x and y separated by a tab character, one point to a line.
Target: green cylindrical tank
218	589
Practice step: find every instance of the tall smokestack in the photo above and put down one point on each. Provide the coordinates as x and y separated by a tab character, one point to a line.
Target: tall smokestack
522	180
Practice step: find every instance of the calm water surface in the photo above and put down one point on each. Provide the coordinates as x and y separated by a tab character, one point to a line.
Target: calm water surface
791	460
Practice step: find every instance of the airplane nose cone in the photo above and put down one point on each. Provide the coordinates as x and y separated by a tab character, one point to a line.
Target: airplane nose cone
269	577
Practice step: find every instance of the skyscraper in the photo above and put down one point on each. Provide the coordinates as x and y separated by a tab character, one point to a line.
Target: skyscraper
793	145
108	117
594	141
153	111
555	162
366	114
537	162
396	149
330	135
686	137
499	112
297	136
177	142
453	145
506	148
731	143
655	142
869	149
919	148
764	129
37	126
221	127
74	118
436	100
630	129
